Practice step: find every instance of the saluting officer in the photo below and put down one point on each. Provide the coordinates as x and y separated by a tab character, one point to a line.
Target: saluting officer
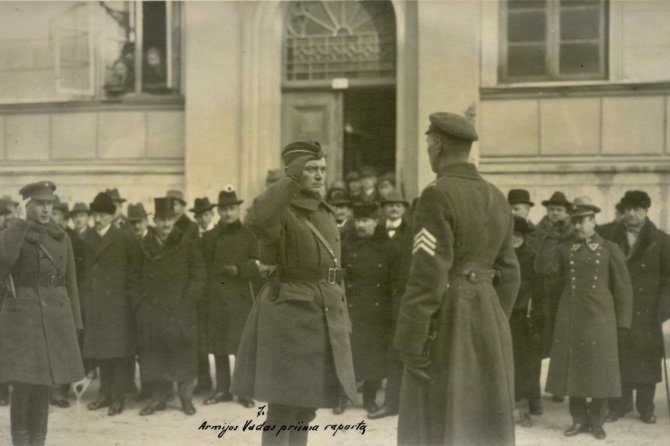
295	351
454	314
596	299
40	315
231	254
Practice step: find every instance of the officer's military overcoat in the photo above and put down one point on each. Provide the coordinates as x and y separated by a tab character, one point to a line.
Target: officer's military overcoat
463	282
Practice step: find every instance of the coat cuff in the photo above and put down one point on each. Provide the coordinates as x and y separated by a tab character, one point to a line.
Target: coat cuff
411	335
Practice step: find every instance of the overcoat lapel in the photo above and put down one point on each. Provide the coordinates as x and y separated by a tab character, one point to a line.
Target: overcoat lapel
105	242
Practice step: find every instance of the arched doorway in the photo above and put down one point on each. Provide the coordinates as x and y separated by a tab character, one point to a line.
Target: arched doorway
339	81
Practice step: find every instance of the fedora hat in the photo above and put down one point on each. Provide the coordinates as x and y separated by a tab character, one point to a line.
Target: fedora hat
519	196
115	195
394	197
366	210
103	203
201	205
635	199
136	212
175	195
79	207
581	207
339	198
228	197
557	199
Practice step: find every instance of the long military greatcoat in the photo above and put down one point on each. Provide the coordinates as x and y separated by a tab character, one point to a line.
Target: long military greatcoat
229	297
371	266
113	268
295	348
462	228
596	299
173	279
38	339
640	352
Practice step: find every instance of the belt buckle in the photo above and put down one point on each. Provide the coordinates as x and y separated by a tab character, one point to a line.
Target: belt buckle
53	281
332	276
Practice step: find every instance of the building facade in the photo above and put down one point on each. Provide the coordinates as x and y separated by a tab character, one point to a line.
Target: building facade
569	95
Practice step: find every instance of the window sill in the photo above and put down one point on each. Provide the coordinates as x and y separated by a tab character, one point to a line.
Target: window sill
99	103
609	164
538	90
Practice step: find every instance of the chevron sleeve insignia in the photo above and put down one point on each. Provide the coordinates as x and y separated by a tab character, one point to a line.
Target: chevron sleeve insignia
424	241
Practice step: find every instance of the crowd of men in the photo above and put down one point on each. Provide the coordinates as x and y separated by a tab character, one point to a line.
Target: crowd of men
162	298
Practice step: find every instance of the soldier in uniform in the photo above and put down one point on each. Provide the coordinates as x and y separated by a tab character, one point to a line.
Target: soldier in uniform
113	263
371	266
42	304
231	255
596	299
295	351
554	229
647	250
526	324
120	220
173	280
454	313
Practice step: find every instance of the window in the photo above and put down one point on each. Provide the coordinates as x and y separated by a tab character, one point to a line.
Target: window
86	50
339	39
553	40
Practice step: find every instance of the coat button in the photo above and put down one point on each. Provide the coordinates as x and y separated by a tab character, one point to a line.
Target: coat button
595	277
642	265
597	261
44	304
380	265
640	289
572	262
326	309
376	304
378	285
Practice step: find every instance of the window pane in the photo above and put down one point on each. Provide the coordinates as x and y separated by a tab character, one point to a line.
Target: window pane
526	60
580	24
526	27
525	4
579	58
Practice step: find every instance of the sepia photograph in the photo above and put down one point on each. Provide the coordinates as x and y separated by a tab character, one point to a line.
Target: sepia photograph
334	222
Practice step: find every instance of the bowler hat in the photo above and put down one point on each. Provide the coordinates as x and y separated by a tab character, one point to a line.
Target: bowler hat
366	210
163	208
340	198
103	203
388	176
519	196
394	197
337	184
79	207
136	212
175	195
581	207
521	225
452	125
201	205
635	199
41	190
62	206
115	195
557	199
296	149
228	197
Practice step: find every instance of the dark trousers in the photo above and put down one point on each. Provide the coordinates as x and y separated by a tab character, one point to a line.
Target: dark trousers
114	377
644	398
222	374
393	382
590	414
162	389
280	415
370	387
29	414
204	378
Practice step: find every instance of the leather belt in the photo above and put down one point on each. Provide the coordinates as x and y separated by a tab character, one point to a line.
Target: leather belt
332	276
46	281
474	274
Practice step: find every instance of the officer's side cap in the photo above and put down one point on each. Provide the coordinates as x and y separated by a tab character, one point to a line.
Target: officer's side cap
41	190
452	125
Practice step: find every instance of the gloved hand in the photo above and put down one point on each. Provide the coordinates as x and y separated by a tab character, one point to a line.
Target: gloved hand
417	365
295	167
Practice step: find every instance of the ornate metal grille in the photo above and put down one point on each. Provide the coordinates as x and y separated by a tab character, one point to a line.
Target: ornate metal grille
333	39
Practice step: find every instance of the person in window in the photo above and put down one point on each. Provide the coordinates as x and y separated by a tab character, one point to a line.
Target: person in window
121	77
154	73
40	314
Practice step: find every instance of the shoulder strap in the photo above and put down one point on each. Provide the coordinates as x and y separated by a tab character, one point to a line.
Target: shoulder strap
48	255
320	237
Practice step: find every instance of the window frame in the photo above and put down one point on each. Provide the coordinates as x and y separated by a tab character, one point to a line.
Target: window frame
552	46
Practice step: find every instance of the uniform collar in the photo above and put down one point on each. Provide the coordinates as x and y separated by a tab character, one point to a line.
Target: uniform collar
309	203
592	243
463	170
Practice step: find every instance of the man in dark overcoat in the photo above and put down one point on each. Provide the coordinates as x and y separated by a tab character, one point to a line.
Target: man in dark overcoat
554	229
295	351
526	323
231	255
371	265
454	313
596	299
173	279
343	208
113	263
647	250
40	315
182	222
120	220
